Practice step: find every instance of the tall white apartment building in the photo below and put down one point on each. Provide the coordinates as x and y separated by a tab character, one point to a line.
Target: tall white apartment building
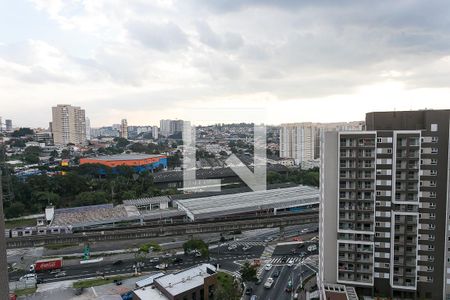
385	206
301	141
169	127
88	129
68	125
124	129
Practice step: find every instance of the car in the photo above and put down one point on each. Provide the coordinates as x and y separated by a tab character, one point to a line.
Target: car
246	247
117	282
290	263
154	259
258	281
268	267
39	280
232	247
28	277
296	239
304	230
276	274
312	248
253	297
60	274
177	260
284	259
117	263
167	255
248	291
269	282
52	272
161	266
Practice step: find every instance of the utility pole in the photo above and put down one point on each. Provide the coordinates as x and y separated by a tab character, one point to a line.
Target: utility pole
4	281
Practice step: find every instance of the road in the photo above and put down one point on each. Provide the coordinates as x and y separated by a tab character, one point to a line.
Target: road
224	257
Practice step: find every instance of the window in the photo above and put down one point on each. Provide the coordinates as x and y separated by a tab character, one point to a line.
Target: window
434	139
434	161
434	127
433	195
434	150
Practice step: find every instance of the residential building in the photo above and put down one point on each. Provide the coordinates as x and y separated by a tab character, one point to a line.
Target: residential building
155	132
385	205
196	283
301	141
8	125
124	129
88	129
68	125
170	127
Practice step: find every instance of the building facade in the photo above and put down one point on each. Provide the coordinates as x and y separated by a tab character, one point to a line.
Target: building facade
384	206
124	129
301	141
170	127
8	125
68	125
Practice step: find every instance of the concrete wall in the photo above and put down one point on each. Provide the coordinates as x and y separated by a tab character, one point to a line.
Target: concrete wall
328	208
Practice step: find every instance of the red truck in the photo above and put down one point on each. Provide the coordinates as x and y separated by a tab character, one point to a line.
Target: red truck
47	264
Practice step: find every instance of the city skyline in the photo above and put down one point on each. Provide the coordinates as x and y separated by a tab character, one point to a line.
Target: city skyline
214	62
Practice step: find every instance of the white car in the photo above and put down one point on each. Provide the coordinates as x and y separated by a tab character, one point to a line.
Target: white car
60	274
290	263
161	266
268	267
246	247
269	283
312	247
232	247
28	277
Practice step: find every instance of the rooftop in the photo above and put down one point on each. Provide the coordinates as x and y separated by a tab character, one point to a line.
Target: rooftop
147	201
207	207
131	156
149	293
178	283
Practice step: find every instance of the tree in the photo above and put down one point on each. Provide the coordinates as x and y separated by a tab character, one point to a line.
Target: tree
22	132
31	154
91	198
248	272
196	245
16	209
121	142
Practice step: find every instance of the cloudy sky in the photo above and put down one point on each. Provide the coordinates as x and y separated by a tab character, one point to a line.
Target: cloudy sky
210	61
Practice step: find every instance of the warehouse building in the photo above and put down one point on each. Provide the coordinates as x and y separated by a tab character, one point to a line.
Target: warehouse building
261	202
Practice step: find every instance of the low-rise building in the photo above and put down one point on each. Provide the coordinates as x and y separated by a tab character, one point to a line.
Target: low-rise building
199	282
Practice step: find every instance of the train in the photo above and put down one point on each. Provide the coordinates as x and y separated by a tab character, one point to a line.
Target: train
37	230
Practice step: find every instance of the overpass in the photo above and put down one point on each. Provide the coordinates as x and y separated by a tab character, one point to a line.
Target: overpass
192	228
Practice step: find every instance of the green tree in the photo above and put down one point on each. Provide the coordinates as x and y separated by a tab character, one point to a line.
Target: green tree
65	154
31	154
121	142
248	272
22	132
90	198
16	209
199	245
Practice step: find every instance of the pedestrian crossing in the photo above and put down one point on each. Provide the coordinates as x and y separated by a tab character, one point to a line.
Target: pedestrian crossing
279	260
247	243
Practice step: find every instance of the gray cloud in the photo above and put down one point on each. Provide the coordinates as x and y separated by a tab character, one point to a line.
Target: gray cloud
158	36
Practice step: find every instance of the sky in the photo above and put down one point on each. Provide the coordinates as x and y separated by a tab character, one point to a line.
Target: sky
270	61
